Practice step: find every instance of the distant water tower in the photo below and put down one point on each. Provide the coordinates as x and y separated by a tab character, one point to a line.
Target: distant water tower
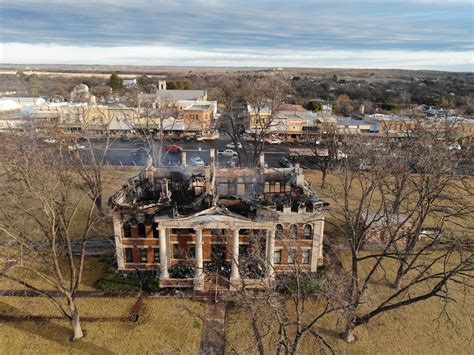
161	84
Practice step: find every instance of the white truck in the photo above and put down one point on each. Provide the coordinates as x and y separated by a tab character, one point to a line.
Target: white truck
227	153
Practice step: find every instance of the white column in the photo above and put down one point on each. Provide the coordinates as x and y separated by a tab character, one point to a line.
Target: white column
317	249
199	274
234	273
163	255
270	253
118	241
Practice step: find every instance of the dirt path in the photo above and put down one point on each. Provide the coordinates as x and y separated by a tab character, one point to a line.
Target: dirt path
213	330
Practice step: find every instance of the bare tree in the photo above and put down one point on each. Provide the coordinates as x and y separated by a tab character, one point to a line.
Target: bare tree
264	98
45	220
326	153
89	160
384	198
287	308
156	119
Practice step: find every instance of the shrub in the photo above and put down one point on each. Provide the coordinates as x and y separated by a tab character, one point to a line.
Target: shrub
154	285
114	281
309	283
181	271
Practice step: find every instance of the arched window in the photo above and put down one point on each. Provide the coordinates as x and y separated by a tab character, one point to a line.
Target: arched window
277	187
293	231
156	232
279	231
127	230
141	230
308	232
266	187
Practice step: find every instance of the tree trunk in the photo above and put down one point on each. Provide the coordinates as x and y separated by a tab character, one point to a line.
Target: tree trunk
348	335
398	279
323	179
296	344
75	322
98	204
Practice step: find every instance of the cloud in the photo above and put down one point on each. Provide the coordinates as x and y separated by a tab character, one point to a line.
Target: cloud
217	26
174	56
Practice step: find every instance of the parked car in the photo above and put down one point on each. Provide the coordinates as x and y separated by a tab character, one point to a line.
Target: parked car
232	145
196	161
76	147
285	163
274	141
50	140
227	153
172	148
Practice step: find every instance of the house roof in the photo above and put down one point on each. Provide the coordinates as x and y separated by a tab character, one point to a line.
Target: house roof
180	94
351	122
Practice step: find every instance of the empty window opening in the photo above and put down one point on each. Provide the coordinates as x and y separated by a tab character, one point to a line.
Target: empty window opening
127	230
277	257
279	231
156	231
129	255
141	230
308	232
143	255
293	231
305	256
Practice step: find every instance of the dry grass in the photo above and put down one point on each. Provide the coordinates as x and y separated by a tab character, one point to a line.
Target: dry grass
166	326
416	329
334	191
94	268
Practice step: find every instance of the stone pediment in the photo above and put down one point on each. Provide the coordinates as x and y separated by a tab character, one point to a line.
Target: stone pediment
216	213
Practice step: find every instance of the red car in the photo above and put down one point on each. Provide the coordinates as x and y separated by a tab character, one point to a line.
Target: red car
172	148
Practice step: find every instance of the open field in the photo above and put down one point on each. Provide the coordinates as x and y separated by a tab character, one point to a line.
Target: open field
333	190
166	326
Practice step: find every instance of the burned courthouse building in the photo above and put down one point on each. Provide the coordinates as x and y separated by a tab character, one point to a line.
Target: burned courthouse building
232	227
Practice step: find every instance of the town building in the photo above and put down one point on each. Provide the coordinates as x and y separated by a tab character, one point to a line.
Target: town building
290	122
356	126
238	227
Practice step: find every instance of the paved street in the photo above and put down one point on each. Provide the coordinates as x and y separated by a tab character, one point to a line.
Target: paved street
126	152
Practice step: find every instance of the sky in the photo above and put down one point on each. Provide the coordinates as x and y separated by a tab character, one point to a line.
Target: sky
403	34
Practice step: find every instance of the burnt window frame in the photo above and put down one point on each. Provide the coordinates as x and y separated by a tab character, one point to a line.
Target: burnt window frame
127	230
276	260
141	233
279	231
291	257
293	234
155	230
176	252
143	250
303	253
156	254
191	251
310	237
129	255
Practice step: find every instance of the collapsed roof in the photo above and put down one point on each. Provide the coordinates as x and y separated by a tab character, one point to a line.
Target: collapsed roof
254	193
